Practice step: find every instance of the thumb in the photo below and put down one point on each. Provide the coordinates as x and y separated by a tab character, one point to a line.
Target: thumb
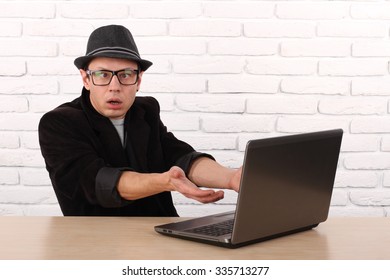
176	172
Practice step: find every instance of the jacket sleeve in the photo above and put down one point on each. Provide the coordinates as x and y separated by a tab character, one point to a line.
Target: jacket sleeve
106	187
70	155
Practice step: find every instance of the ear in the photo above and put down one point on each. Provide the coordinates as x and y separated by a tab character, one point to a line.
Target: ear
85	78
139	80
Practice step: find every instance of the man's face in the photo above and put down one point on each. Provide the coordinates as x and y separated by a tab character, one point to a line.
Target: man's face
112	100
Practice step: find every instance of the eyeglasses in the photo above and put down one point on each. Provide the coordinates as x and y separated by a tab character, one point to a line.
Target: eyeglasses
125	77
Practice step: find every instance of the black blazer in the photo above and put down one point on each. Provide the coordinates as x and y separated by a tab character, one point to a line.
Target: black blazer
85	157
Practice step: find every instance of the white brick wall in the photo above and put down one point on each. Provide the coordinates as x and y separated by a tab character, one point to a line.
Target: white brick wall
224	72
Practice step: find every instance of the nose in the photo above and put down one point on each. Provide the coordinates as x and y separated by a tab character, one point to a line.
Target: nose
114	84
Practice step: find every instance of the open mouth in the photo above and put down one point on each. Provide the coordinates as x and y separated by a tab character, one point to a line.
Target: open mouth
114	102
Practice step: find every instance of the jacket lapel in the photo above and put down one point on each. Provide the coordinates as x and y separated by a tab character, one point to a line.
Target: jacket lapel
137	132
111	147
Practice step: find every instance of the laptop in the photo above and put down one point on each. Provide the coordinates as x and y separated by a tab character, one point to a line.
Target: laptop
286	187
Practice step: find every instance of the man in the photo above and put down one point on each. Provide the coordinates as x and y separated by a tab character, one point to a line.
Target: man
109	154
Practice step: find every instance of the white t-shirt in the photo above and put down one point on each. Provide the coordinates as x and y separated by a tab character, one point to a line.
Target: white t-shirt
120	129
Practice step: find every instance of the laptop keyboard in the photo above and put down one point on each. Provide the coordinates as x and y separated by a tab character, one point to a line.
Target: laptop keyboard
218	229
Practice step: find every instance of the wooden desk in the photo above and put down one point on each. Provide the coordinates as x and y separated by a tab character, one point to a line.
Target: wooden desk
134	238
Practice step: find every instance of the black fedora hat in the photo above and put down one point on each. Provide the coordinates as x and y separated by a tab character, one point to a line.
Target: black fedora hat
113	41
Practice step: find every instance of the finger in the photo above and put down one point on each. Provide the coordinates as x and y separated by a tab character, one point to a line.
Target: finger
210	198
202	193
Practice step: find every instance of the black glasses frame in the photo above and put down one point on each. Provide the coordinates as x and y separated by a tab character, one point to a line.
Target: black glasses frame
114	73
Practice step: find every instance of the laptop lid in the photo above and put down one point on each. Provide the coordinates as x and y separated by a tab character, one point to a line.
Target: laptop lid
286	187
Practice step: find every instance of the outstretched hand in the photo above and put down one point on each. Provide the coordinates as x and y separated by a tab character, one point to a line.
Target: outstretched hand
183	185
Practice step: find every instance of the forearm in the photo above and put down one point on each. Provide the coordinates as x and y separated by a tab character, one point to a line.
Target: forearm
206	172
134	185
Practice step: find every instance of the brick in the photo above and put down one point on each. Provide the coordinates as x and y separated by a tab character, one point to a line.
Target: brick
166	101
243	138
230	159
11	67
351	106
371	86
235	123
339	198
281	105
243	84
165	10
209	65
159	84
10	104
205	28
28	85
353	67
38	10
51	66
23	195
277	66
10	29
57	28
42	104
11	210
9	176
352	29
17	48
357	179
312	10
209	142
296	124
360	143
161	65
21	158
180	122
386	179
148	27
70	85
315	48
29	140
35	177
98	10
9	140
241	9
371	49
378	11
19	121
280	29
370	125
242	46
367	161
385	144
177	46
371	198
315	85
43	210
211	103
73	47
